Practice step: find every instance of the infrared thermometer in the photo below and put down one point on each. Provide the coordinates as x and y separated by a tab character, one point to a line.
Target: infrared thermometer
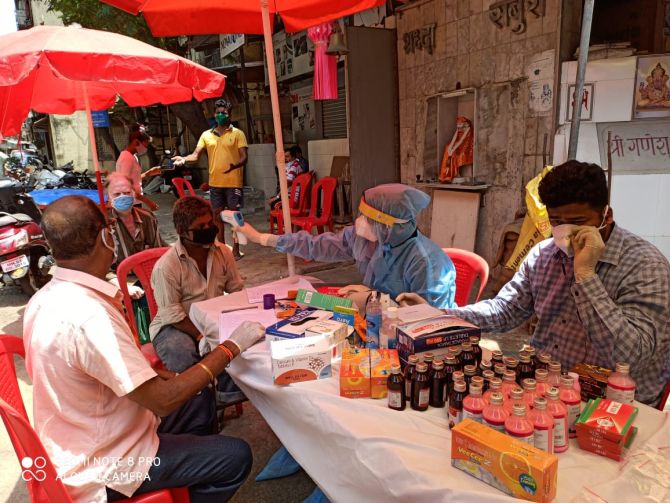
235	218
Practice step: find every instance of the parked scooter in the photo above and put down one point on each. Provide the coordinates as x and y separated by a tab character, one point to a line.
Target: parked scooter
25	257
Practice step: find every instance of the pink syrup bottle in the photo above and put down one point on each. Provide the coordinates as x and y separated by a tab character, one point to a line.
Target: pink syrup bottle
508	383
494	412
515	397
529	392
543	426
620	385
495	385
473	404
517	424
572	400
542	380
554	377
560	413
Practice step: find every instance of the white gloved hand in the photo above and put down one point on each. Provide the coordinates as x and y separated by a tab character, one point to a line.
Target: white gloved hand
410	299
589	246
135	292
346	290
203	346
247	334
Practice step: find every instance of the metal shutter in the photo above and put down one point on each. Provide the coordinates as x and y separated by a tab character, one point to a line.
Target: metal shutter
335	116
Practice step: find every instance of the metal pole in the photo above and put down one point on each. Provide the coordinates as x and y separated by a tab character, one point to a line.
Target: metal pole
245	95
587	18
276	118
94	149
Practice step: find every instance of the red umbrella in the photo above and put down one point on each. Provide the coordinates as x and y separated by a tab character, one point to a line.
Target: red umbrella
194	17
55	69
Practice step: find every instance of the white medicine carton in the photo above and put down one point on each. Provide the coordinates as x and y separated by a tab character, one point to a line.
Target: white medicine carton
301	359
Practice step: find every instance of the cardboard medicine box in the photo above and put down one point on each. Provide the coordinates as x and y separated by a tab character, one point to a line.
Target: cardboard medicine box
381	361
301	359
335	331
296	325
321	300
510	465
355	373
434	334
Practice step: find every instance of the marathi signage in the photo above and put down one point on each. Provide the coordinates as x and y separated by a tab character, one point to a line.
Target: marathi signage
638	147
230	43
417	40
512	13
587	103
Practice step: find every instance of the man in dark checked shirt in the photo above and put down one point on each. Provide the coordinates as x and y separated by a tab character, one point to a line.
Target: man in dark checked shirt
601	293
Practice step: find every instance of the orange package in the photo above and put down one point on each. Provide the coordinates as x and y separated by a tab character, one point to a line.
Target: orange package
355	373
381	361
510	465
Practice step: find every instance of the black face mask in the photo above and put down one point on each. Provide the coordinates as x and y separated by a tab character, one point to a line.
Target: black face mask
204	237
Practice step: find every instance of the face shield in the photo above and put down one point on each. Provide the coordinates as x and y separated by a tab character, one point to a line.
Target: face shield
365	222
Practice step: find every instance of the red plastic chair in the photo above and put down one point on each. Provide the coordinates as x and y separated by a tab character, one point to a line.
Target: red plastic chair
181	184
28	445
468	266
141	264
320	216
298	199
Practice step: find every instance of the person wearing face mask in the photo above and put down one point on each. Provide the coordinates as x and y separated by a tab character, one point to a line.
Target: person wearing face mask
192	270
390	252
95	394
128	164
226	148
601	293
135	229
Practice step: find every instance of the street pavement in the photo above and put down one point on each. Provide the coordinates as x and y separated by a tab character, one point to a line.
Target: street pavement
259	265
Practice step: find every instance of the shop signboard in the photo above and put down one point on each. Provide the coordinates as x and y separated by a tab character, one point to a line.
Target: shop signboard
229	43
294	55
637	147
100	118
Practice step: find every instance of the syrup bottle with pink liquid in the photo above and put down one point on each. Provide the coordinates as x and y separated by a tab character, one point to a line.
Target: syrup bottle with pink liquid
529	392
541	378
495	385
620	385
572	400
515	397
494	412
473	404
554	377
543	426
517	424
560	414
508	382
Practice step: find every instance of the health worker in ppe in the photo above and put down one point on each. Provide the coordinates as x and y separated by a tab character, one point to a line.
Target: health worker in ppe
390	252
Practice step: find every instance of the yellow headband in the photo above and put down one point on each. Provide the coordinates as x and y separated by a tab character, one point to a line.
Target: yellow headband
378	216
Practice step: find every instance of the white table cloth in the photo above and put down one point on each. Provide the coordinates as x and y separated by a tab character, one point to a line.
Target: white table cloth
359	450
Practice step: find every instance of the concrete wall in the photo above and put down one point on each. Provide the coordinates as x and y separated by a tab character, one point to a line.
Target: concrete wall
474	52
321	153
260	169
42	14
69	134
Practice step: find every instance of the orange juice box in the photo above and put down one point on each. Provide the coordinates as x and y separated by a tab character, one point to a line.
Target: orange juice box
510	465
380	369
355	373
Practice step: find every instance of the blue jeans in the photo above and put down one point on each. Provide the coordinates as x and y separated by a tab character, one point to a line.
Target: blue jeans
178	352
213	467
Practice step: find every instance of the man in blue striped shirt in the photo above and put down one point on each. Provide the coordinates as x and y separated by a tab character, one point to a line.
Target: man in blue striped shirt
601	293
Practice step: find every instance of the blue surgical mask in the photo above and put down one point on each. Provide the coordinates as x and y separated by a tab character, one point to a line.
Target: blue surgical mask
123	203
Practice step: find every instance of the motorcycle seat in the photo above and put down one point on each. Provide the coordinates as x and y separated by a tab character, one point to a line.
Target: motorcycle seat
14	218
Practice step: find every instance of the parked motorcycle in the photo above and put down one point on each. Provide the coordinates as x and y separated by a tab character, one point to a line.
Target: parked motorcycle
25	257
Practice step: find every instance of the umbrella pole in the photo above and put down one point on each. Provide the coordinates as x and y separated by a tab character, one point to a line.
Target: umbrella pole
276	118
94	150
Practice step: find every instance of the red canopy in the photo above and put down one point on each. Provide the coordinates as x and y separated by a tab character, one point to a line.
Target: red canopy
204	17
47	69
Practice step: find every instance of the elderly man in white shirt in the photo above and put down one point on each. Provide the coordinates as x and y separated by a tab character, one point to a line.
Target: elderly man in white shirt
97	400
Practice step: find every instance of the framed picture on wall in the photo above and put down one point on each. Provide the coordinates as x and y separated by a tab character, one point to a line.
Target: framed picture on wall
652	87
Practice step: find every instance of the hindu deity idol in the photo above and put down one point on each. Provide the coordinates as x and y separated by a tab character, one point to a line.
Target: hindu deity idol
655	93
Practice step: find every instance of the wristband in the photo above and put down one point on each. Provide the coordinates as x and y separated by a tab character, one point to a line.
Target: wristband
239	349
209	372
227	351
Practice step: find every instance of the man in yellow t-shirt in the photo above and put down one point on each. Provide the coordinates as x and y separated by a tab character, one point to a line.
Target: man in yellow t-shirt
227	154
